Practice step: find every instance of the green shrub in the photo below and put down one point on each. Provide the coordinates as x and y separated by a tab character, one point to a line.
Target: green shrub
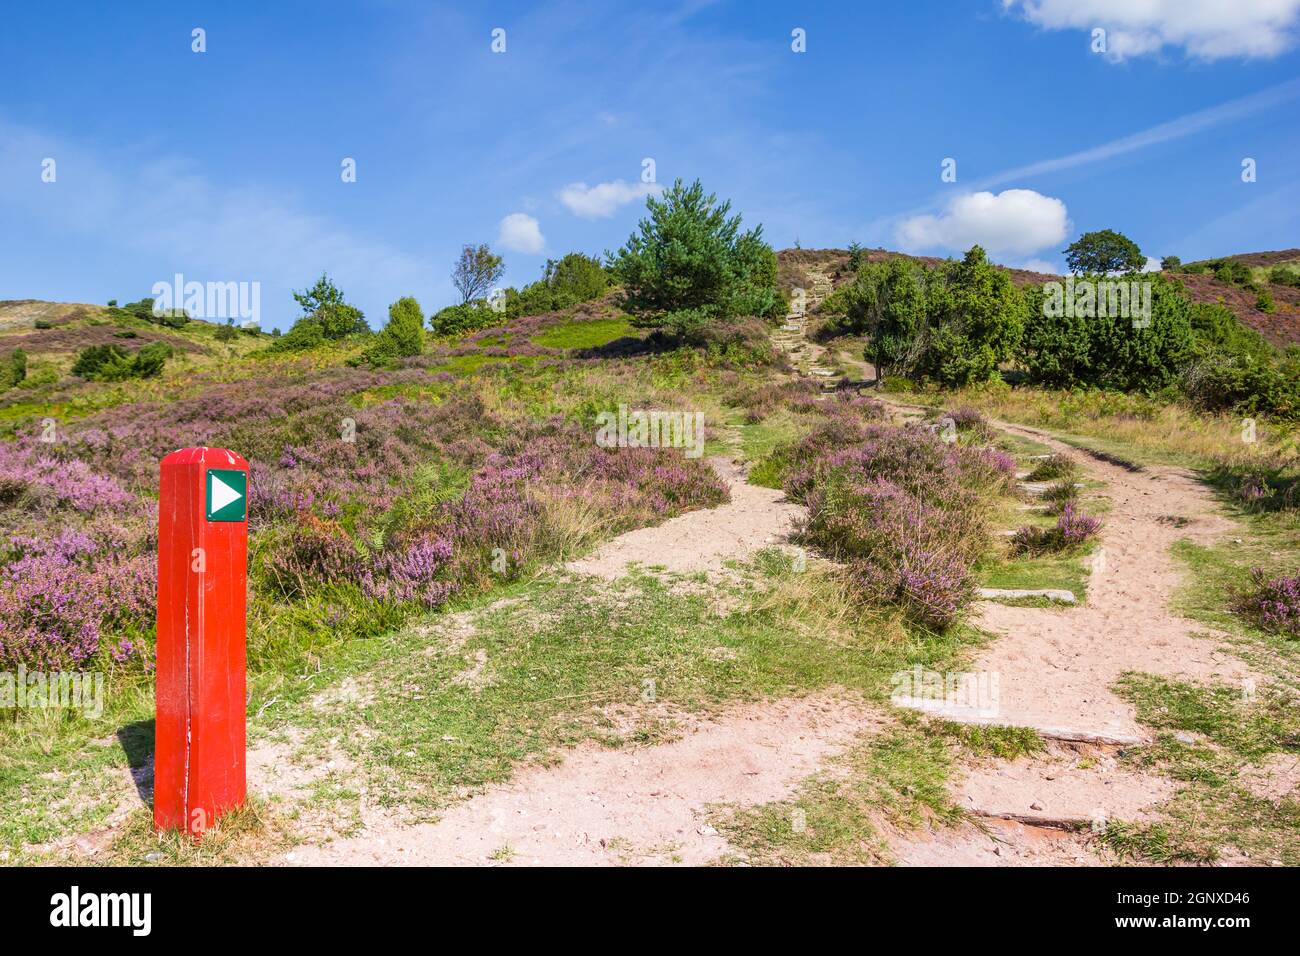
975	322
112	363
565	282
1264	302
1216	326
144	311
465	317
403	336
689	265
306	333
1059	350
1053	467
1284	275
13	370
1221	380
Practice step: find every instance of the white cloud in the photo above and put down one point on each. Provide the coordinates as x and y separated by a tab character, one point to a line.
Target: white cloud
1014	222
520	232
1153	265
604	199
1205	29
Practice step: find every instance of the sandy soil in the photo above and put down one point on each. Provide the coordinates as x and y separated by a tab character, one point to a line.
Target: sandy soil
611	807
1061	790
755	518
995	843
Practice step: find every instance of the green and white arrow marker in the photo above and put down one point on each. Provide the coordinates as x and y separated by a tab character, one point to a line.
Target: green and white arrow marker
227	497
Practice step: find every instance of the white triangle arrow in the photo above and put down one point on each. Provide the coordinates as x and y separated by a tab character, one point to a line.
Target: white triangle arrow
222	494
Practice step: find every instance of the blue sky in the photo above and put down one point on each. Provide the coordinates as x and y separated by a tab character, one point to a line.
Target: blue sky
225	165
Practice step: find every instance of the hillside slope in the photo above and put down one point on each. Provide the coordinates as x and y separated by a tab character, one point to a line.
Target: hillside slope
1281	328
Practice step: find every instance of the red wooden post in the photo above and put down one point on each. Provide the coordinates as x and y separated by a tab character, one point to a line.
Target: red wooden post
199	733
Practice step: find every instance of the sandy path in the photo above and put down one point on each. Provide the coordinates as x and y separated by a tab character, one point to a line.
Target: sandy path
612	807
1056	667
755	518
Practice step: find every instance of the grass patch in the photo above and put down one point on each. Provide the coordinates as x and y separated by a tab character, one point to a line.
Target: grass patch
1248	727
1213	814
1215	573
584	334
1003	741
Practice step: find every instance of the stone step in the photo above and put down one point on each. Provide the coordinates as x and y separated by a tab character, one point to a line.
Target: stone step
1052	594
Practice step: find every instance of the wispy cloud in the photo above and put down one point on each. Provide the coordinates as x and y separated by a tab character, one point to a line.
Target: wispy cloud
1183	126
183	221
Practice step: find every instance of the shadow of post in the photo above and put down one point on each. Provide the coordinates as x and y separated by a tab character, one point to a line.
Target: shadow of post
137	740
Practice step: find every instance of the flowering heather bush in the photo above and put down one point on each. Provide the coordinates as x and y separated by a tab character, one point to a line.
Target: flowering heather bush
1262	487
907	511
1072	528
411	573
968	420
1274	604
508	505
33	477
324	511
901	550
759	400
1060	495
59	597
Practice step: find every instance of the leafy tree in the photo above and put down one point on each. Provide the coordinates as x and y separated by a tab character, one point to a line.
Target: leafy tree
1102	252
323	293
475	272
323	306
1170	264
855	256
689	265
890	300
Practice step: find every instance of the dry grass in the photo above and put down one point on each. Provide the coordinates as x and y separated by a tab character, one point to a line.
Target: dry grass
1160	432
